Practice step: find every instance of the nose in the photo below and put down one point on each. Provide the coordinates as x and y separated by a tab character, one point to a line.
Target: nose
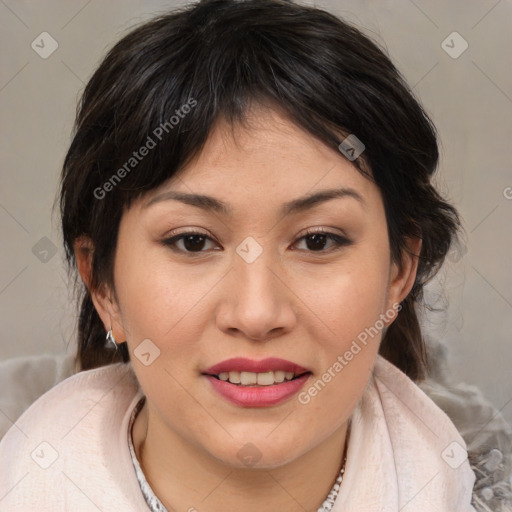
256	302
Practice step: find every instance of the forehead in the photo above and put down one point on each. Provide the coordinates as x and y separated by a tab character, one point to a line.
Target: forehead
267	158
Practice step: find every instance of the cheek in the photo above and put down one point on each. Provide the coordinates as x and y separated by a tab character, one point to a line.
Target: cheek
348	332
347	343
153	296
348	298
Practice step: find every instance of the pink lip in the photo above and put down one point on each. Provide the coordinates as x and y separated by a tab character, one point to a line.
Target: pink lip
258	396
242	364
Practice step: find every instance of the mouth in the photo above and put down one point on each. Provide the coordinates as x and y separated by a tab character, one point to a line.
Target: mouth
252	379
257	383
245	372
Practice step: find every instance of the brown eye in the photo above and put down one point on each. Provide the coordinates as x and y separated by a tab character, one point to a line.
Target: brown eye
317	240
192	242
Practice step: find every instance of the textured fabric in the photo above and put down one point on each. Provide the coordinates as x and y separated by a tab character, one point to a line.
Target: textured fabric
488	437
404	453
154	504
70	449
24	379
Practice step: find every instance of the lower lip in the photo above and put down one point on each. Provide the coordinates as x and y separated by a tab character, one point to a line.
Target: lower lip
258	396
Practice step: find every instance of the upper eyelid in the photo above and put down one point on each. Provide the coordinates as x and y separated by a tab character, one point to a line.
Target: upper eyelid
204	232
189	231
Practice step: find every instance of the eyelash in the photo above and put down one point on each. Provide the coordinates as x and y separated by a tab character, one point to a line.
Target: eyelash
339	241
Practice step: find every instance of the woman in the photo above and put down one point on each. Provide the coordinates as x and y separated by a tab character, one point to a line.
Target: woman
248	201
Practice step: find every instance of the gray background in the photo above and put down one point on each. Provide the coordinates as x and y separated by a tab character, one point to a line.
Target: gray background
469	98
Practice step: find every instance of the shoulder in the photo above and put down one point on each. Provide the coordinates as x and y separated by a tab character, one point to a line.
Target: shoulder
24	379
422	437
73	394
89	393
460	408
70	439
488	437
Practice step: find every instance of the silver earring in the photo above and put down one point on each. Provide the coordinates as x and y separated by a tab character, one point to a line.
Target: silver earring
121	348
110	338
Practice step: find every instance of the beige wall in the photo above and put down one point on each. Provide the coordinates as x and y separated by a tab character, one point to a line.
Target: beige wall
469	97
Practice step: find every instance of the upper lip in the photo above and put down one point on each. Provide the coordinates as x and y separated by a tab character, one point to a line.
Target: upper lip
242	364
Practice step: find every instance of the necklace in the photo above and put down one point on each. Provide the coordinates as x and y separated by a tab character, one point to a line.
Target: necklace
329	501
326	506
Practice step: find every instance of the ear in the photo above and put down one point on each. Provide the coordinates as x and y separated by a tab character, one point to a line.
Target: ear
102	298
401	279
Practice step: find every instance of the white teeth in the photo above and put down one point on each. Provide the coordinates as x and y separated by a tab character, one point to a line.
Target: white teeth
265	379
279	376
260	379
234	377
248	378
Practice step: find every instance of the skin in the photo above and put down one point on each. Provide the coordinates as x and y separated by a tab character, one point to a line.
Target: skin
292	302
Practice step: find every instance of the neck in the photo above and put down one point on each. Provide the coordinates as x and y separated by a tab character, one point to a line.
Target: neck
184	477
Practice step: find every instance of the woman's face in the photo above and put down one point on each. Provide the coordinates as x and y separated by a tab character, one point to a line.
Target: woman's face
256	286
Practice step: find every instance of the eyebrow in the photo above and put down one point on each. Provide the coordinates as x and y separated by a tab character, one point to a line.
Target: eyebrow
301	204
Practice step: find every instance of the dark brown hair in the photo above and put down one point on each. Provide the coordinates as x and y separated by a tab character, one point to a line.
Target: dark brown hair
223	55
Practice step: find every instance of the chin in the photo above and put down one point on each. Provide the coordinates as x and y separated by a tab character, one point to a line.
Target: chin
255	454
